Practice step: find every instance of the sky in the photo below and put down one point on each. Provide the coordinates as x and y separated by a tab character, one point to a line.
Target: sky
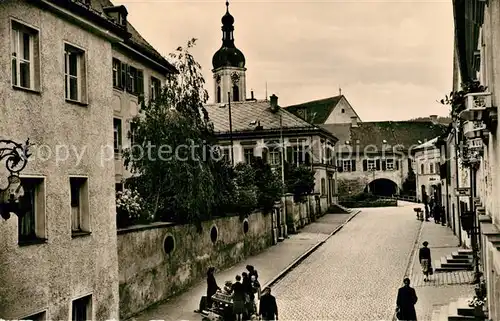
393	60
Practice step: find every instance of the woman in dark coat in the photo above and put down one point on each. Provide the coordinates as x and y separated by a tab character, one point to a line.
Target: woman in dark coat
407	298
437	213
212	286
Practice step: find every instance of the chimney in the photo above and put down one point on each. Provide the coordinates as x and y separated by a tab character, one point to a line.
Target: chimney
434	119
274	103
354	121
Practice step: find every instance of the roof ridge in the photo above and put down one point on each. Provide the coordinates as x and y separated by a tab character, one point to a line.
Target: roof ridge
314	101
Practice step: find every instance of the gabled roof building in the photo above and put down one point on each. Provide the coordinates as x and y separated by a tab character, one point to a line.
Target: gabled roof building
368	152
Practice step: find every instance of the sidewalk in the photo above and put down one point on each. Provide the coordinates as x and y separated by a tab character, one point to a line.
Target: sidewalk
442	287
271	265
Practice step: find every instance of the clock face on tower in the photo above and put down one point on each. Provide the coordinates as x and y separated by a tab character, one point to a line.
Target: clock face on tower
217	79
235	77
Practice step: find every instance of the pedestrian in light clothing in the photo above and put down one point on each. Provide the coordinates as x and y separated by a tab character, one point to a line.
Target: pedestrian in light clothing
426	206
256	286
407	298
424	257
268	309
431	208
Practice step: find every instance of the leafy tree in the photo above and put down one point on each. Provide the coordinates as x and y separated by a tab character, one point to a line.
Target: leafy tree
410	183
299	180
246	191
173	141
456	99
225	185
268	183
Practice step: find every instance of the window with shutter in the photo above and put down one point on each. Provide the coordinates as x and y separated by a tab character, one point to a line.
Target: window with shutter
340	166
289	155
384	167
307	158
397	164
365	165
377	164
140	82
116	73
132	80
123	70
353	165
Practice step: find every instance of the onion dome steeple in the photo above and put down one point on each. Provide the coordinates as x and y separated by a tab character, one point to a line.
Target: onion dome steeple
228	55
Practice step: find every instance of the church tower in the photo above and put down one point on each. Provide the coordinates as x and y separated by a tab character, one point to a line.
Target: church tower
228	65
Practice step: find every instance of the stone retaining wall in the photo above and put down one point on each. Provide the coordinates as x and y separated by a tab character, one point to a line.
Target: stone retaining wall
160	260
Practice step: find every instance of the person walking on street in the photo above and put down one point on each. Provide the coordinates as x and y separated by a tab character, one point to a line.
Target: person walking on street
268	309
443	216
212	286
424	257
405	302
431	208
437	213
249	295
238	293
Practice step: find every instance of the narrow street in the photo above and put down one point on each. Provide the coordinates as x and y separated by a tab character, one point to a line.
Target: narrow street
356	273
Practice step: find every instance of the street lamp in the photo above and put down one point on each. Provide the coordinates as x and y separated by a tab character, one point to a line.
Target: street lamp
230	127
16	157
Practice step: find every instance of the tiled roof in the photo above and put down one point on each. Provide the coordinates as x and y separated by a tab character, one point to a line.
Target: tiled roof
136	37
405	133
243	113
317	111
341	131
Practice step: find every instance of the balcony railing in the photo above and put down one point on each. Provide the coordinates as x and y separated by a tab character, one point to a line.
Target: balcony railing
479	107
475	129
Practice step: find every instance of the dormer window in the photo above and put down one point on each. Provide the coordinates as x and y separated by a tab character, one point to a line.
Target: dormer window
118	14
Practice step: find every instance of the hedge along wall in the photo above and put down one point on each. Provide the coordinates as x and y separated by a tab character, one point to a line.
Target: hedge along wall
161	260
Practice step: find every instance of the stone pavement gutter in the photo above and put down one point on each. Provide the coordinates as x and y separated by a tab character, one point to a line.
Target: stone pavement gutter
411	259
300	259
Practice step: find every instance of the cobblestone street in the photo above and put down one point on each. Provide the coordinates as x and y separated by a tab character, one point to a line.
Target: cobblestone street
269	264
355	274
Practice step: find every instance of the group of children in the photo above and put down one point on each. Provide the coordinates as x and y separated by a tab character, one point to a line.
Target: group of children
243	291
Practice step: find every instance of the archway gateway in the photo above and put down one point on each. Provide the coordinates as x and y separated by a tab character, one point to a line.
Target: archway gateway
382	187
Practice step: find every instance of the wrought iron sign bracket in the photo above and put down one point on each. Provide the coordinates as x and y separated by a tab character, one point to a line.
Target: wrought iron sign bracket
14	156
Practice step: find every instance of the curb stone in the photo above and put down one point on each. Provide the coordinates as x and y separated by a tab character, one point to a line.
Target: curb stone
295	263
411	259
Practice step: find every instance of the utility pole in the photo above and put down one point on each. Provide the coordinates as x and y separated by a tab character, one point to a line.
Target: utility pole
283	197
230	127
